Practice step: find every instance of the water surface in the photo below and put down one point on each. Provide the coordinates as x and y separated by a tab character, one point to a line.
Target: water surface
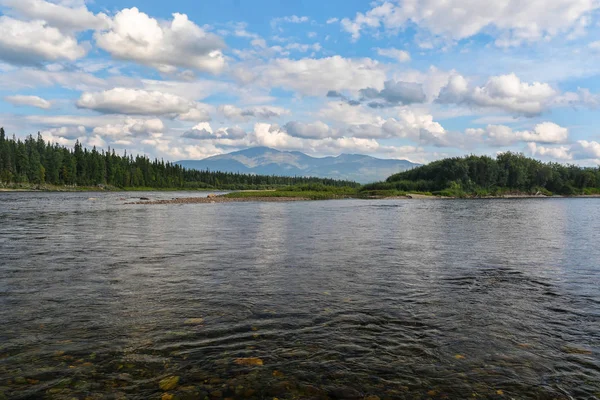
414	299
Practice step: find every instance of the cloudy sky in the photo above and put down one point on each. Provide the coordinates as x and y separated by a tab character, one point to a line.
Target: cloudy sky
412	79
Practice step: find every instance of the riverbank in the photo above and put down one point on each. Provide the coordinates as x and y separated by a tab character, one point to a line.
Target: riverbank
219	199
272	197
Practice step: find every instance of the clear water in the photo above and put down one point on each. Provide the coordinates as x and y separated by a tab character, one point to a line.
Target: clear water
338	299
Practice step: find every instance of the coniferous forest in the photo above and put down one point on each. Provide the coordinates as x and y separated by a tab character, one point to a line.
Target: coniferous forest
483	176
35	161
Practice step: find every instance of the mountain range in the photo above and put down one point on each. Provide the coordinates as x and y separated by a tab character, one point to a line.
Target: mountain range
266	161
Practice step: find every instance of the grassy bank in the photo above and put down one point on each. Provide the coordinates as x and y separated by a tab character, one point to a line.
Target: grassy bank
310	191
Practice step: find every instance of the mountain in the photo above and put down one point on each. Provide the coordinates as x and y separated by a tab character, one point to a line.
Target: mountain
267	161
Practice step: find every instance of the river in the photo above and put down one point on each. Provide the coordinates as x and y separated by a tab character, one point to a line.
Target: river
393	299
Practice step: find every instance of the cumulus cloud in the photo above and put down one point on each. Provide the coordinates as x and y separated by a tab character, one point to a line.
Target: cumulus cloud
343	113
546	132
394	93
580	150
63	17
135	36
502	135
505	92
204	131
34	42
234	113
558	153
315	76
407	124
134	101
198	113
583	97
33	101
131	128
65	135
514	21
68	135
584	149
315	130
396	54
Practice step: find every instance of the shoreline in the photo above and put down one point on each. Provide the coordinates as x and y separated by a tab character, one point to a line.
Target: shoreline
220	199
223	199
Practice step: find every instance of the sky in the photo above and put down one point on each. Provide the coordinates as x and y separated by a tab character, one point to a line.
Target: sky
407	79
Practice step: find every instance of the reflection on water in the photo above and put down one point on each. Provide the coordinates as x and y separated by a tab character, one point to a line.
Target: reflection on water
337	299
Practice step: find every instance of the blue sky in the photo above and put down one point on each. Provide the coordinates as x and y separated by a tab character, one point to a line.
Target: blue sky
418	80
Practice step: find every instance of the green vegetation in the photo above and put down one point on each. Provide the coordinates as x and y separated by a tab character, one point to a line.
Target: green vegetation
314	191
36	164
475	176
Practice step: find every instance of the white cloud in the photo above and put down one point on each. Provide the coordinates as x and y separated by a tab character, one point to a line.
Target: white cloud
234	113
583	97
33	101
396	54
195	90
65	18
131	128
584	149
166	46
34	78
501	135
547	132
344	113
514	21
34	42
312	76
67	136
394	93
315	130
198	113
75	120
505	92
134	101
203	131
558	153
292	19
595	46
303	48
332	20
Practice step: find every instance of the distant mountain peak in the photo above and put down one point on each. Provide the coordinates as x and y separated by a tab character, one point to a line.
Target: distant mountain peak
268	161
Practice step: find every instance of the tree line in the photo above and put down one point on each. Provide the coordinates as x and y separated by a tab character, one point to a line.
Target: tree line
483	175
35	161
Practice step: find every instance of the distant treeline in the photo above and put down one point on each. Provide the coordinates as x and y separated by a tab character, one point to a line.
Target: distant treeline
509	172
35	161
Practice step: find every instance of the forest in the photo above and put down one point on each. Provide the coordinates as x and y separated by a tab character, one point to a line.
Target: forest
35	161
486	176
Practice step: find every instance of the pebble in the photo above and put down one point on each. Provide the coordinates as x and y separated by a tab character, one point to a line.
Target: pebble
168	383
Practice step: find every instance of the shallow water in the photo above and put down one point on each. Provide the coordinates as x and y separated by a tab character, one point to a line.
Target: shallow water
338	299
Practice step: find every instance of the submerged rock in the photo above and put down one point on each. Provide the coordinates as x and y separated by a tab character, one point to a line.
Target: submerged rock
576	350
168	383
194	321
249	361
